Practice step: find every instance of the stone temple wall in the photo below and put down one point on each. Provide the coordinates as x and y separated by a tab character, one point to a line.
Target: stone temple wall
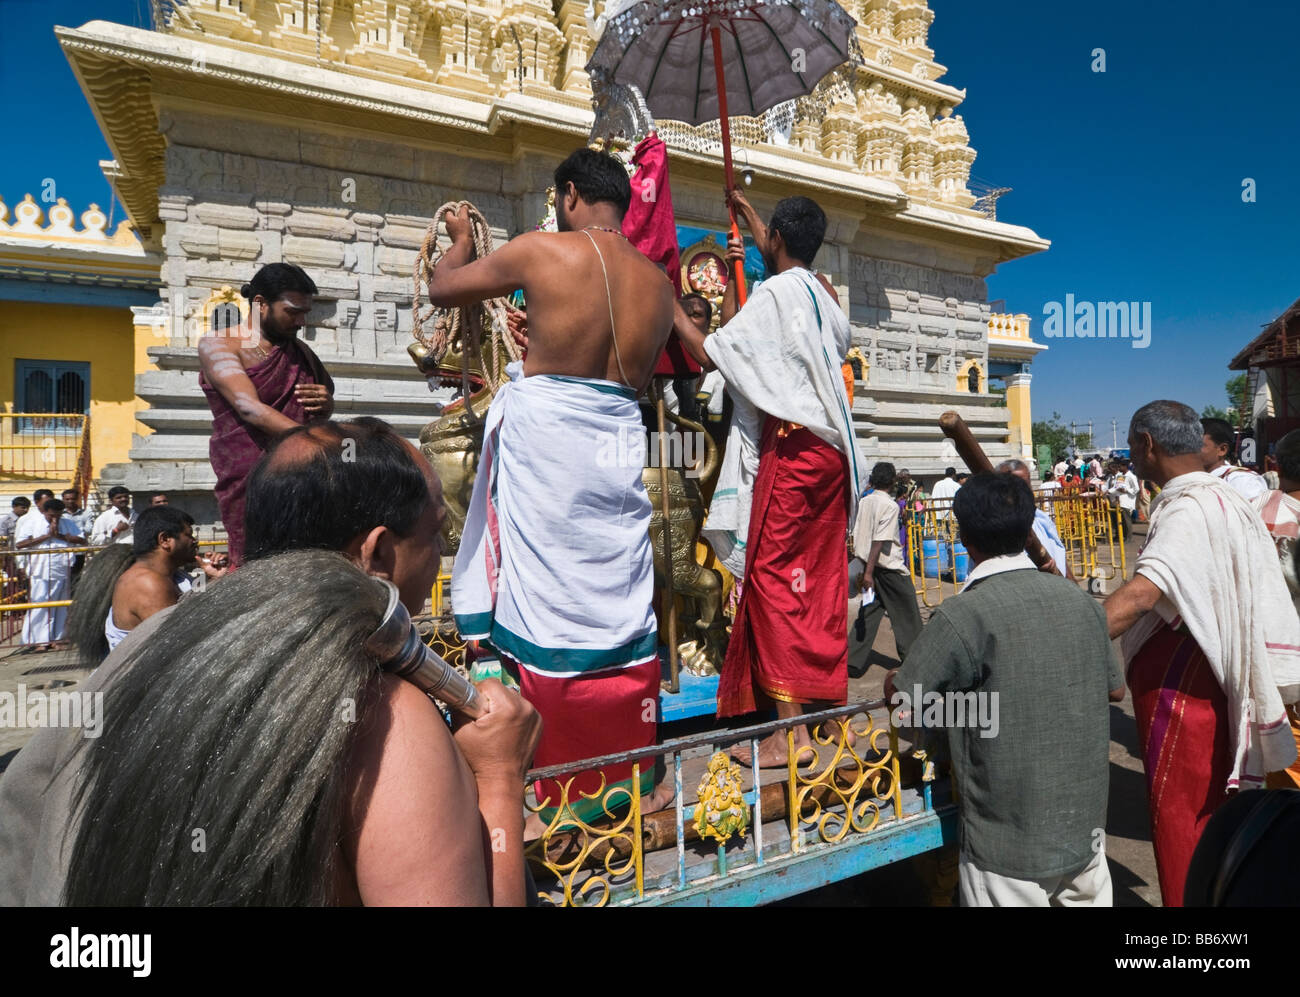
353	211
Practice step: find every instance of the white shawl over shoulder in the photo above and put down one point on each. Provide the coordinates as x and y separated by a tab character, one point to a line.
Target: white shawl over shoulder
781	356
1209	554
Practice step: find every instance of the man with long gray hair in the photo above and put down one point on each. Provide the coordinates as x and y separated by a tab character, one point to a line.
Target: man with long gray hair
1210	637
252	752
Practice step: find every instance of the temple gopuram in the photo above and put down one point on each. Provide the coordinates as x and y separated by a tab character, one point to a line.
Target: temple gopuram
326	132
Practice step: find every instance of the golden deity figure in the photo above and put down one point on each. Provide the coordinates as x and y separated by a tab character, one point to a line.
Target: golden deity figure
722	810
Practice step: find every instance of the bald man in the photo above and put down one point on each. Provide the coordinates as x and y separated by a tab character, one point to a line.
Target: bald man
1044	525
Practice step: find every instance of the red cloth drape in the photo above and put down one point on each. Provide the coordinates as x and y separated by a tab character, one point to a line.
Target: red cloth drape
235	446
651	226
1182	720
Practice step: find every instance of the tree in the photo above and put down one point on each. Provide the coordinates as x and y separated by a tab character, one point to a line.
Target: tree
1053	433
1235	387
1214	412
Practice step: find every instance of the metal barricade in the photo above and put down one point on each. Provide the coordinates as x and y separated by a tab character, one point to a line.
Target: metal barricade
1093	533
15	587
936	561
41	446
1090	528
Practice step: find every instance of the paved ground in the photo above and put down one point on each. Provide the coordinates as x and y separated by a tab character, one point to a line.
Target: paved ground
47	671
1128	843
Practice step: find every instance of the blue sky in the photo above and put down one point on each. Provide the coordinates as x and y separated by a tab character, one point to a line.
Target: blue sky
1135	174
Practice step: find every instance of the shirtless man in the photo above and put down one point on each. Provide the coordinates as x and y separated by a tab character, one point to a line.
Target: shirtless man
561	275
164	545
570	601
260	382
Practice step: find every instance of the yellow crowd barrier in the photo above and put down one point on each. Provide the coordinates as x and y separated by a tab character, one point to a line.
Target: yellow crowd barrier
42	446
14	591
1090	529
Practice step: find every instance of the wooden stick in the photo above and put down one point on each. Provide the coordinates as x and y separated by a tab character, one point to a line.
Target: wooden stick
720	74
954	427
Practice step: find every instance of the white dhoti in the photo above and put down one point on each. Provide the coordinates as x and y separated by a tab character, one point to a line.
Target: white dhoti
49	573
555	566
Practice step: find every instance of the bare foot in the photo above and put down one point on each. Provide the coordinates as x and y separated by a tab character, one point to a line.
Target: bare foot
773	751
659	798
534	826
831	729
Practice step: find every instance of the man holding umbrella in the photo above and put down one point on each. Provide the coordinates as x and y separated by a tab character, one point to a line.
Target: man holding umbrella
790	478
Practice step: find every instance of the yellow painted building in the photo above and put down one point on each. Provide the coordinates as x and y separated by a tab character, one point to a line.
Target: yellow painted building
70	346
1011	351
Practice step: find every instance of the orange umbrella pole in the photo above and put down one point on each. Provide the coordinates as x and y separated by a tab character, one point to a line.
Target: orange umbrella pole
716	33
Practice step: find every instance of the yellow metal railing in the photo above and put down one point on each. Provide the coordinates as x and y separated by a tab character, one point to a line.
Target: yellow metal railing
598	846
36	446
1093	533
936	560
14	590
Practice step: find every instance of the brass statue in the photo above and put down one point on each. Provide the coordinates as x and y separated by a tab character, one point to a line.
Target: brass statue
452	443
701	653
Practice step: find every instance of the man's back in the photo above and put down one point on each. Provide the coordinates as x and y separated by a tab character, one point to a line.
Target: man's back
569	314
140	593
1033	792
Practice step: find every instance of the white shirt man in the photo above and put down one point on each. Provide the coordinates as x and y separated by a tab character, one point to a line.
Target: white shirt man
9	524
1061	467
108	521
85	520
48	575
1249	485
1124	485
944	490
31	520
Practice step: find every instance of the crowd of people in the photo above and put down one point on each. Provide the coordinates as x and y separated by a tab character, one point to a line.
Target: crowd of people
326	760
46	529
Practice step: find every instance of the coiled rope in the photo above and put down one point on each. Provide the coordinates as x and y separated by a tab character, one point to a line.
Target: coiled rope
478	331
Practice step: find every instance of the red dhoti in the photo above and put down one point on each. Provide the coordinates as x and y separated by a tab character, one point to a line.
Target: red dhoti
790	638
1182	718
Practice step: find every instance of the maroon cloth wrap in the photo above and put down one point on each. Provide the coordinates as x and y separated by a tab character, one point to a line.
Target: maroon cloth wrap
235	446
